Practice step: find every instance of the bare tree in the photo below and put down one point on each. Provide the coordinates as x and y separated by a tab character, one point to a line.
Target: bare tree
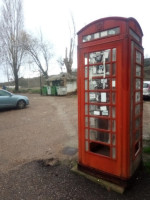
41	52
68	60
12	36
61	63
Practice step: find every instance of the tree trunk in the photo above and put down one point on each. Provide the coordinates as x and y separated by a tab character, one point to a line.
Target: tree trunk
16	82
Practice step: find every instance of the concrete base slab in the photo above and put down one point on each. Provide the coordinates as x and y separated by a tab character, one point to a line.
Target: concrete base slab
108	185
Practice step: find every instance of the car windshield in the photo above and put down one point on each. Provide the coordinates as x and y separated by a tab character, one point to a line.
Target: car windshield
145	85
3	93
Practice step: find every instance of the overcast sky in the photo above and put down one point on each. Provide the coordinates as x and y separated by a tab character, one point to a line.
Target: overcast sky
53	18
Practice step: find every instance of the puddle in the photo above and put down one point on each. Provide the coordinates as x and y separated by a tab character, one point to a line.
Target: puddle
69	151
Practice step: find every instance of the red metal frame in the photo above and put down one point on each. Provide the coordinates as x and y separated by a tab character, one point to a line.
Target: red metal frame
95	40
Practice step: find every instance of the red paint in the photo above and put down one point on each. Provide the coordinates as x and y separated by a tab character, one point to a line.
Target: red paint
106	118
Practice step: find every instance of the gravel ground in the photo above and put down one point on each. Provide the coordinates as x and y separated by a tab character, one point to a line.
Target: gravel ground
40	131
47	129
34	181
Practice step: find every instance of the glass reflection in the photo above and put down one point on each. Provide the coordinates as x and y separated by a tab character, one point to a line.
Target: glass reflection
138	57
99	110
100	136
137	122
95	84
138	70
86	72
138	84
114	69
99	56
98	70
86	97
86	84
137	109
99	123
114	54
137	97
103	97
86	59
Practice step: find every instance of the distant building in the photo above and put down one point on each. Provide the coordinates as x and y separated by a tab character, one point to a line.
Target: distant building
64	80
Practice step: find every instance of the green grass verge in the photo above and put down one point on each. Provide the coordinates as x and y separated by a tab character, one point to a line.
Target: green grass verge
34	91
28	90
146	150
147	165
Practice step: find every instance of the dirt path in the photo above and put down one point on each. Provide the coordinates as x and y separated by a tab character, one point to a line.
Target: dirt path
42	130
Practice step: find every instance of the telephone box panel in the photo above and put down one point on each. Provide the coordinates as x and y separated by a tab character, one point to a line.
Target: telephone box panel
110	78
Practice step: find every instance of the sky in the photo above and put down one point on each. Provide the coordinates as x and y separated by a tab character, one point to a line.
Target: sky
53	18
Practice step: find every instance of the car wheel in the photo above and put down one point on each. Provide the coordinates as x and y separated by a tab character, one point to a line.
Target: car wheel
21	104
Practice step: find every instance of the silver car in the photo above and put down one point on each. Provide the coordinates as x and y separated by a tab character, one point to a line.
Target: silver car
146	89
10	100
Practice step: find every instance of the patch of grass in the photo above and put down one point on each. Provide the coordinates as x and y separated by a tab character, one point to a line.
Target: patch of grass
34	91
147	165
146	150
28	90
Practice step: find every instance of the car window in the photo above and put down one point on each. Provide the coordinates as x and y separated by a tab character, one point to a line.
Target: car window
145	85
3	93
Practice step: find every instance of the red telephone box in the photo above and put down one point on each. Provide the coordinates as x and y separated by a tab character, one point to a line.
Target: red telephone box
110	82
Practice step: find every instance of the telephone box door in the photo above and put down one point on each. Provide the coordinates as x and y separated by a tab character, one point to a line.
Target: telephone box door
100	145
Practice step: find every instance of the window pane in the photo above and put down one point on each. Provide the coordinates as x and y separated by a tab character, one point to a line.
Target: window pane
96	57
86	133
137	97
138	109
103	97
114	69
138	84
99	56
109	32
114	152
3	93
96	35
113	98
86	59
114	54
138	70
113	139
86	97
138	57
113	112
86	109
114	31
98	70
95	84
137	122
100	136
86	72
113	83
113	125
133	34
86	121
99	110
86	84
138	134
99	123
100	149
86	146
